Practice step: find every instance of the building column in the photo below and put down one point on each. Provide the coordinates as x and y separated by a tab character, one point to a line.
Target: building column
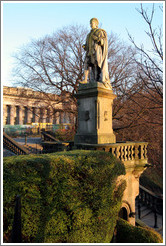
37	112
29	115
20	115
33	115
71	119
57	117
4	114
48	115
25	115
44	115
12	114
51	116
40	111
61	117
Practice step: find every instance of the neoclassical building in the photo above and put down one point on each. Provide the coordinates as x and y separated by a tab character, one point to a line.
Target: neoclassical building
23	106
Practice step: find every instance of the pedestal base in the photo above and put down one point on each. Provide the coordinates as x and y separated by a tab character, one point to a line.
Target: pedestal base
95	138
95	101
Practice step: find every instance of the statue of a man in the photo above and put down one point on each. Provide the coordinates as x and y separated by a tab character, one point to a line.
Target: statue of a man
96	48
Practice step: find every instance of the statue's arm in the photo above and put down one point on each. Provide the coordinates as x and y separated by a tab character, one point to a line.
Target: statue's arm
85	46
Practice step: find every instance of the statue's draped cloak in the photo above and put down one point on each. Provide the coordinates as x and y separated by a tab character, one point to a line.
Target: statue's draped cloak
97	49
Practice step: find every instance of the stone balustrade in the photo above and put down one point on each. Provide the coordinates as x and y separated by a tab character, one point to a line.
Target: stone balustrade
130	151
127	152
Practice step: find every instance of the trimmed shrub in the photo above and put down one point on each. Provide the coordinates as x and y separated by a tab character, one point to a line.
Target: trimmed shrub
67	197
127	233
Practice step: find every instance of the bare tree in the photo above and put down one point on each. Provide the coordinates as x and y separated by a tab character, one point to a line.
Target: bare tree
53	64
150	63
143	110
147	83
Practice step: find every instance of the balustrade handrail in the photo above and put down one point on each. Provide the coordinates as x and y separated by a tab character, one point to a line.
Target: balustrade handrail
151	192
16	145
125	151
49	136
118	144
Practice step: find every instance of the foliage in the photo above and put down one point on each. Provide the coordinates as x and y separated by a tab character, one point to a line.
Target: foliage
136	234
152	180
66	197
65	134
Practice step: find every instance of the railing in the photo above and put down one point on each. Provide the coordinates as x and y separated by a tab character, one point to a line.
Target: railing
152	201
13	146
125	151
48	137
130	151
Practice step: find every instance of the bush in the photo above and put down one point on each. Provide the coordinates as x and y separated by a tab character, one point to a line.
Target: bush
152	180
126	233
68	197
64	134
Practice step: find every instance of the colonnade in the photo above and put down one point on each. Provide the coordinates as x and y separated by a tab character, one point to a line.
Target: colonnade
20	115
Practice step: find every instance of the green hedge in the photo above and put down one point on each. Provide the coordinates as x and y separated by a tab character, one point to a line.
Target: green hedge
126	233
69	197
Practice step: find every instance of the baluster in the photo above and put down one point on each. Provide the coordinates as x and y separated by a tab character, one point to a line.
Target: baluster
142	151
127	153
124	153
146	151
113	151
132	152
155	219
118	152
136	152
151	202
143	196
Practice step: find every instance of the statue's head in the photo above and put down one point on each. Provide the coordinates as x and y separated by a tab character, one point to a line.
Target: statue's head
94	22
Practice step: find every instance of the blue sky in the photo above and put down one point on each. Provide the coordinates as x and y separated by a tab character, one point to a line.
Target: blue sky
24	21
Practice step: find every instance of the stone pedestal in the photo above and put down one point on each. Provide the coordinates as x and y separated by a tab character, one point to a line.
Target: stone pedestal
95	114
